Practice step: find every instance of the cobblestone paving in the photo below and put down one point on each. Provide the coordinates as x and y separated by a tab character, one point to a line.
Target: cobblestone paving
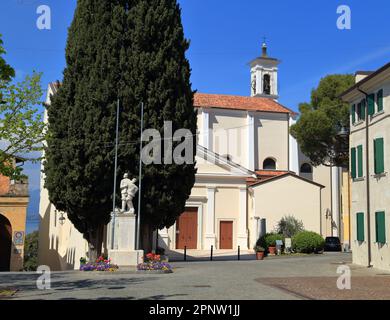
325	288
279	278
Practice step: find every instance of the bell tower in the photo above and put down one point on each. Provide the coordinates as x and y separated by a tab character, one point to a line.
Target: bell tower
264	75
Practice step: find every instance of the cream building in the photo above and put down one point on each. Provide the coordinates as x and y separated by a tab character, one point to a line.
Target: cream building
251	173
370	154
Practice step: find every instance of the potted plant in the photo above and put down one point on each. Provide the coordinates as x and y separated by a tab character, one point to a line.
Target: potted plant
259	252
270	240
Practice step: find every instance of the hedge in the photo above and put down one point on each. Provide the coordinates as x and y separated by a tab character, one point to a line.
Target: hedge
308	242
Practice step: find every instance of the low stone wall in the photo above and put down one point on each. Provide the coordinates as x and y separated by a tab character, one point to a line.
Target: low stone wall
18	188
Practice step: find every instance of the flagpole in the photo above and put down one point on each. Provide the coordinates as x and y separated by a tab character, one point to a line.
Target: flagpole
115	171
137	245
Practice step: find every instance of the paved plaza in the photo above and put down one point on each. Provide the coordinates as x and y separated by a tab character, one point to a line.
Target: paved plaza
302	277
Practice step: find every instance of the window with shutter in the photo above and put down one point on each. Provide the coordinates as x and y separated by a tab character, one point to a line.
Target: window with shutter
363	110
360	161
371	104
359	111
380	227
379	158
353	113
360	226
353	163
379	100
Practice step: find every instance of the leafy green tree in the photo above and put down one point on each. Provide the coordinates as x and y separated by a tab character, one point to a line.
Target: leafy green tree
289	226
6	71
31	252
134	51
317	130
21	125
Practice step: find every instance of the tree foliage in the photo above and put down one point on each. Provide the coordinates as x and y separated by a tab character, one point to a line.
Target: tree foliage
289	226
31	252
160	76
269	240
308	242
317	129
21	125
134	51
6	71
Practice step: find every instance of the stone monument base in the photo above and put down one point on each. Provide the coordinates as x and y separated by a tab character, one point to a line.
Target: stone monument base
126	258
123	252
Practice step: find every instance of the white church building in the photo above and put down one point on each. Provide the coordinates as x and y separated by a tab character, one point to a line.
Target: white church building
250	174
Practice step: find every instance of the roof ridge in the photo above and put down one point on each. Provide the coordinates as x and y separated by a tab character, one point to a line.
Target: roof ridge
238	102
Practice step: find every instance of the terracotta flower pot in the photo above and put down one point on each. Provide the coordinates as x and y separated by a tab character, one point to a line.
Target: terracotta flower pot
260	255
272	251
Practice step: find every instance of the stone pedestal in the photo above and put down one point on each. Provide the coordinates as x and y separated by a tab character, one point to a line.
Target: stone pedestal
123	252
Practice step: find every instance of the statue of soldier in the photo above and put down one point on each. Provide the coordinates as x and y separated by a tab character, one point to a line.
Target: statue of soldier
128	192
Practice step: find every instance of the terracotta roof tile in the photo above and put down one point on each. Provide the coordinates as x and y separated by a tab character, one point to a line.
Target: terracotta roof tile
203	100
270	173
263	175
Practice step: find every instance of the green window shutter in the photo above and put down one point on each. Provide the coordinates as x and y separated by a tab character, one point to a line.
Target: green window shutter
379	157
371	104
379	100
359	111
380	227
353	113
360	161
360	226
363	110
353	163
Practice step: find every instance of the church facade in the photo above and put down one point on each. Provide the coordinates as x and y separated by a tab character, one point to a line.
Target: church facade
251	173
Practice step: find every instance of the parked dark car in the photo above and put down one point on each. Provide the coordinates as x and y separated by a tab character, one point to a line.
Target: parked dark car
332	244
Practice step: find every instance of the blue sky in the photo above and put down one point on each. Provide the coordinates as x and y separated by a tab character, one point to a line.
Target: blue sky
225	36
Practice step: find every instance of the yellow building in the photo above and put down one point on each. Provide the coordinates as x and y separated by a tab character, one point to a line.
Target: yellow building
13	211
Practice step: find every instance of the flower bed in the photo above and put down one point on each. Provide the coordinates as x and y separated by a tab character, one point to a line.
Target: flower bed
153	263
101	264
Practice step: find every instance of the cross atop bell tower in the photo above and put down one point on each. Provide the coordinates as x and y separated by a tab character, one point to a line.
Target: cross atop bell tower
264	75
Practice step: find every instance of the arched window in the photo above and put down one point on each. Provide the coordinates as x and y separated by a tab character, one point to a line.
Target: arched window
306	168
267	84
269	164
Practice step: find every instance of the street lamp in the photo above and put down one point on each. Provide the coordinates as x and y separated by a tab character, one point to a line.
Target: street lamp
343	132
62	219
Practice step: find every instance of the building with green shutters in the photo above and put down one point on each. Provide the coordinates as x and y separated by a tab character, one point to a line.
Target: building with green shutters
370	167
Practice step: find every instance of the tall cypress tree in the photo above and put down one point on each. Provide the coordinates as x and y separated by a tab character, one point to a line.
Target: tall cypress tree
158	75
133	50
79	154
